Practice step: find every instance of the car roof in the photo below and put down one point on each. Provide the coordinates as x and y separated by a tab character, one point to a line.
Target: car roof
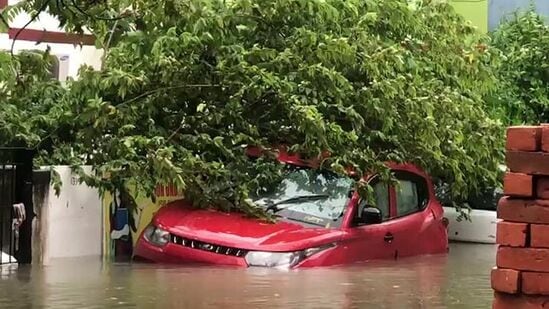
284	156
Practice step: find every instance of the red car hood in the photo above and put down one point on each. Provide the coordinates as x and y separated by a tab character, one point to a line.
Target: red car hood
235	230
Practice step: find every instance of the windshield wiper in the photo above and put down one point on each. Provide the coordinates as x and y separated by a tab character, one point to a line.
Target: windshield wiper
296	199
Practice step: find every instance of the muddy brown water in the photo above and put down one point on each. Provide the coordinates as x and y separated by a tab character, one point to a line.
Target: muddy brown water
457	280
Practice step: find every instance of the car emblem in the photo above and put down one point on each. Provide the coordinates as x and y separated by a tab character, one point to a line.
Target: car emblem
207	247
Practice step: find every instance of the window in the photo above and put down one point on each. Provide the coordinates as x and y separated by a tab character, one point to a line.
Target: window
381	195
407	197
412	194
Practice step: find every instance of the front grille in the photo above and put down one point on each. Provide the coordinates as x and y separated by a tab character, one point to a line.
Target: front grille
204	246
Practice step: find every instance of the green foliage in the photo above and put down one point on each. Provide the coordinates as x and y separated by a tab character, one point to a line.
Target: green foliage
524	71
30	100
186	84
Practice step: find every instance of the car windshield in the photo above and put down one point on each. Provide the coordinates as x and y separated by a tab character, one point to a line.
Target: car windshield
310	196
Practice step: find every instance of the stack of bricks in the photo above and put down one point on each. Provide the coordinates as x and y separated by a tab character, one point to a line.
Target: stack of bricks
521	278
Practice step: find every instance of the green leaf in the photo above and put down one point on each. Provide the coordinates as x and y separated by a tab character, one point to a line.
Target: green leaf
201	107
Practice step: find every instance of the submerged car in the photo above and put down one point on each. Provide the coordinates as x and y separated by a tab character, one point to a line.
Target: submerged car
321	221
482	222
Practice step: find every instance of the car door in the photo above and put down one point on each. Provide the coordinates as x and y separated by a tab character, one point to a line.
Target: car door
413	221
367	242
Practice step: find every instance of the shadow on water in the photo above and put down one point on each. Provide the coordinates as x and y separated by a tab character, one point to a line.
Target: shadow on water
457	280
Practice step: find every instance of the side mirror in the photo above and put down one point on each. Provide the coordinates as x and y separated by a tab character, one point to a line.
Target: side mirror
371	215
351	193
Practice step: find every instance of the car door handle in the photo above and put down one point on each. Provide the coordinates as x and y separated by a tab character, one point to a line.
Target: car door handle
388	237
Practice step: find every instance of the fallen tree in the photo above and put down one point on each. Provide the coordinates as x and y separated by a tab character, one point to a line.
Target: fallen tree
187	84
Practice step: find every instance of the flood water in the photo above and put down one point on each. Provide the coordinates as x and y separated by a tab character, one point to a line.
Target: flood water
457	280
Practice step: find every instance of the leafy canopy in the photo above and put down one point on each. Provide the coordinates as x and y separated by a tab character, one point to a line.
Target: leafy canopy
187	83
524	69
30	100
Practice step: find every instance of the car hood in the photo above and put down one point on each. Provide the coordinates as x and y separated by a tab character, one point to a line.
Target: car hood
237	231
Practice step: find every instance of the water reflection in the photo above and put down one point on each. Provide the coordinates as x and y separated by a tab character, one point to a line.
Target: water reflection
459	280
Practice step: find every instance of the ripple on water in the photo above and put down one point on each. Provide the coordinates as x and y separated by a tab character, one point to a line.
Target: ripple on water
457	280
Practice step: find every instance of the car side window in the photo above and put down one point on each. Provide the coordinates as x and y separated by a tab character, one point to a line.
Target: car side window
381	197
412	194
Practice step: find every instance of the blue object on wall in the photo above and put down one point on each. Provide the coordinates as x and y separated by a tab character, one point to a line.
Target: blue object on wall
499	10
121	218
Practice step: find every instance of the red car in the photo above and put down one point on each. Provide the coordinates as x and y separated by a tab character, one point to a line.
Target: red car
321	221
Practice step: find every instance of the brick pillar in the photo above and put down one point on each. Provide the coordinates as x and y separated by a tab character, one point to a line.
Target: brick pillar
521	278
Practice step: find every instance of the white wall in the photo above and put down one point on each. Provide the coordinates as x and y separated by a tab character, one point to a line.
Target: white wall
77	56
71	223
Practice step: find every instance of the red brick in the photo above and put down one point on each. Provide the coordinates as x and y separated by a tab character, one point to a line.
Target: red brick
535	283
507	301
505	280
542	188
539	236
527	259
523	138
545	138
518	184
535	163
525	211
512	234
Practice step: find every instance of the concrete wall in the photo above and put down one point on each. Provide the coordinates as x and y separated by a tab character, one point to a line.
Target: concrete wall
81	223
68	225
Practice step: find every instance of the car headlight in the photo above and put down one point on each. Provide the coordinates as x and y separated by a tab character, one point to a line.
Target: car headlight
281	259
156	236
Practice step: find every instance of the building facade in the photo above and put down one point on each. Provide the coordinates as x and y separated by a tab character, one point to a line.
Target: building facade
44	32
